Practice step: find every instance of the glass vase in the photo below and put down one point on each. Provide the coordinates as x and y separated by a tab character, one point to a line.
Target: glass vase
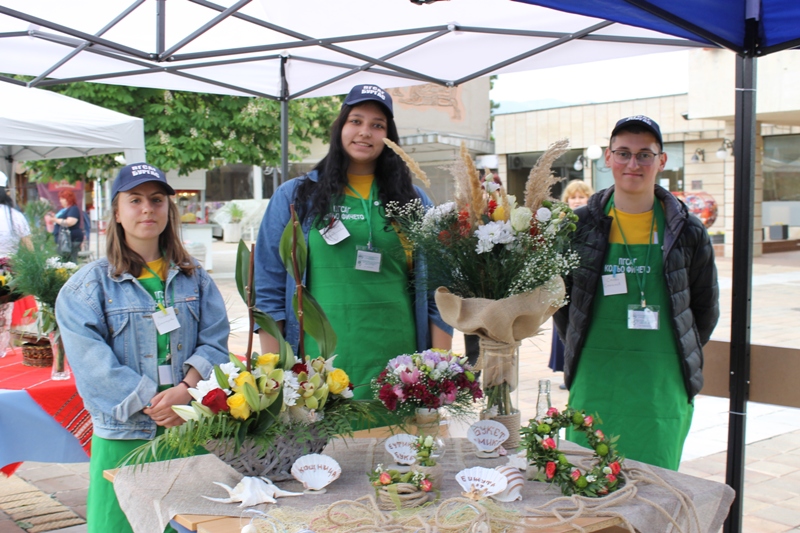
500	380
6	310
428	423
60	364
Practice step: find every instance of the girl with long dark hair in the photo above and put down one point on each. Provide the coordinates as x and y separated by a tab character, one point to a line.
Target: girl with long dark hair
358	269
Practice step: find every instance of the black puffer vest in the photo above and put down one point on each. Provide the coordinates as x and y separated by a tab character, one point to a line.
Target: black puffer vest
689	271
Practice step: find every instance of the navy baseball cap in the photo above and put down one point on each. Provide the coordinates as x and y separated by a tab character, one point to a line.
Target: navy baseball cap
365	93
131	176
640	120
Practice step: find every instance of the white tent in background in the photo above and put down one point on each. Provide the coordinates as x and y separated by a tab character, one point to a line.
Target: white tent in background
37	124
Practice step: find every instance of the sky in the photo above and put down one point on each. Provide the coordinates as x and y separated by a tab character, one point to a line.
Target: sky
601	81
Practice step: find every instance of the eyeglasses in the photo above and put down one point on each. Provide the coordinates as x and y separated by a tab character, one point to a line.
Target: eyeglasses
644	159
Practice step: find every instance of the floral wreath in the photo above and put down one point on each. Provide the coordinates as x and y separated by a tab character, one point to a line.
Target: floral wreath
383	478
538	439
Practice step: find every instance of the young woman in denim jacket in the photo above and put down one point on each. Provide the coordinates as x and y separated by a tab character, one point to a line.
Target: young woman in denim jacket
357	267
131	363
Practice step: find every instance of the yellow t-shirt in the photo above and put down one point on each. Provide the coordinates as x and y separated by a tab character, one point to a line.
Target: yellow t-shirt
362	184
635	226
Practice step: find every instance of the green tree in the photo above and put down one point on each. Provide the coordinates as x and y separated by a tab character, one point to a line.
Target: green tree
191	131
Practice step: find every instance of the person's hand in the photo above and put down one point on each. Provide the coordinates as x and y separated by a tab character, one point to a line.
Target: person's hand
160	409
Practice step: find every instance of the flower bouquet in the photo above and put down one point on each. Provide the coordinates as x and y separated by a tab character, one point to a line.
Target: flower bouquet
261	413
39	272
427	380
498	266
7	294
396	490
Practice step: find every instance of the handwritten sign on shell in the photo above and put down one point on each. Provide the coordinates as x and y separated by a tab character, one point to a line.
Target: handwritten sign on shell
487	435
479	479
400	447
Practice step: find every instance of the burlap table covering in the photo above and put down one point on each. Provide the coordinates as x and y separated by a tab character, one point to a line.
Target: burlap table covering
151	495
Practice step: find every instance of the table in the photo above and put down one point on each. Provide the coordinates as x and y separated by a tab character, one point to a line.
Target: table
174	490
40	419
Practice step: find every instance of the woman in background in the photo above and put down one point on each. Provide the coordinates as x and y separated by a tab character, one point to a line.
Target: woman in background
14	229
68	219
140	327
576	194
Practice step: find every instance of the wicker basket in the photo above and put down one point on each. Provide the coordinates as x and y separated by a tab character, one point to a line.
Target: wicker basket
39	355
275	462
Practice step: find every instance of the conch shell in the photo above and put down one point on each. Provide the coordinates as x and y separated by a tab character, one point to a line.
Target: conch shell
252	491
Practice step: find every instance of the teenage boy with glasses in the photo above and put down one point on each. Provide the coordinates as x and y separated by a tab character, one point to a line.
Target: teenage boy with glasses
641	305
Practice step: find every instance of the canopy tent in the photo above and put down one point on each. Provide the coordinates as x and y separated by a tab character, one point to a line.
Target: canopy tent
285	50
37	124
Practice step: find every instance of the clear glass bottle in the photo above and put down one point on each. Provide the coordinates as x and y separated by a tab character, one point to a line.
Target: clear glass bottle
543	401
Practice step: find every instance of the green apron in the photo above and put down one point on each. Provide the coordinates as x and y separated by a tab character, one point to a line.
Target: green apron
371	312
632	378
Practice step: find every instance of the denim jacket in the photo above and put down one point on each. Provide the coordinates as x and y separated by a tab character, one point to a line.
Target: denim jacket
275	287
110	340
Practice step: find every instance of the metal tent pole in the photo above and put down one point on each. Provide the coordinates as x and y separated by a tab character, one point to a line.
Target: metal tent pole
284	122
744	192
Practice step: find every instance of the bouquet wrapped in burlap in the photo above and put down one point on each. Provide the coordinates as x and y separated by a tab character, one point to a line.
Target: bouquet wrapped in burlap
501	325
498	266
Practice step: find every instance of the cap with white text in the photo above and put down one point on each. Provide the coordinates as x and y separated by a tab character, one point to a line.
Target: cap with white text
131	176
365	93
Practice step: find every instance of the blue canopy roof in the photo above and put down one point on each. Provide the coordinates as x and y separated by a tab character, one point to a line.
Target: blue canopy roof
716	22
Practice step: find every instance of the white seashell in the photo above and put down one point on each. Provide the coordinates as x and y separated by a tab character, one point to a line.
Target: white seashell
479	482
515	480
518	460
400	448
249	528
316	471
251	491
487	435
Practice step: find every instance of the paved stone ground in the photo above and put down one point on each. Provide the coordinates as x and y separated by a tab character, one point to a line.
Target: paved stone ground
772	479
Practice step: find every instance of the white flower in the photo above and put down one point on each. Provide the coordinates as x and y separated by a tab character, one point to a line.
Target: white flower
290	387
490	186
521	219
512	201
232	371
543	214
346	393
607	470
591	479
203	388
435	214
498	232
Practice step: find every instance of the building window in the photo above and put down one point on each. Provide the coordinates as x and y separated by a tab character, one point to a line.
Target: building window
781	168
520	165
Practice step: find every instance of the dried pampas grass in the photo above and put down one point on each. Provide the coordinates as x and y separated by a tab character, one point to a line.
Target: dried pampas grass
413	166
541	178
477	200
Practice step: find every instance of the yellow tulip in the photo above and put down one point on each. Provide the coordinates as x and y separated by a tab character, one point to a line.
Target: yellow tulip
239	407
499	214
337	381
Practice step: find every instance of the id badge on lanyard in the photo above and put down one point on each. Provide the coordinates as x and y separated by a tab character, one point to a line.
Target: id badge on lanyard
368	258
643	316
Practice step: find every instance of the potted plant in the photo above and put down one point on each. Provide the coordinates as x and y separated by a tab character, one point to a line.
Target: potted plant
232	231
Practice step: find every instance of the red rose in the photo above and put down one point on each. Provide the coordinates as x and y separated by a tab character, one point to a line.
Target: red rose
549	444
492	206
550	469
587	421
552	412
615	468
216	400
611	478
576	474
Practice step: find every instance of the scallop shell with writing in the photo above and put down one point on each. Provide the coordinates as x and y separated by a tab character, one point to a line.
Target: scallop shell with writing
487	435
316	471
400	448
479	482
513	489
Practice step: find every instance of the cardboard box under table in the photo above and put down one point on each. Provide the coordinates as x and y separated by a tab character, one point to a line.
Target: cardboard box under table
153	495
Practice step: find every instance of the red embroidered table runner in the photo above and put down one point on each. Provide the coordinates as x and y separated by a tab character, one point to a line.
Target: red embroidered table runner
59	399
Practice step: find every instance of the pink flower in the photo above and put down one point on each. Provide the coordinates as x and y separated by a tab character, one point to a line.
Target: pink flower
550	469
615	467
587	421
599	434
398	391
426	485
409	376
611	478
385	478
552	412
576	474
549	444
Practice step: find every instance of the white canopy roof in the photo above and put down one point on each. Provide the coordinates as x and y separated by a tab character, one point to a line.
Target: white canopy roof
323	46
37	124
